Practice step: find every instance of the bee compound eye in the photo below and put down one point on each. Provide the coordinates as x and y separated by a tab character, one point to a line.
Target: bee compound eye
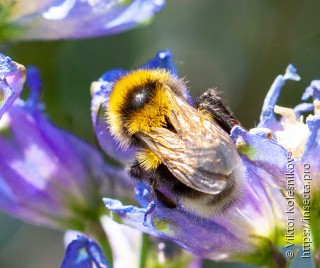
140	97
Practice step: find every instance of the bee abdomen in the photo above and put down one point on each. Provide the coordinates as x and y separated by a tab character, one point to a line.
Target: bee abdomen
199	203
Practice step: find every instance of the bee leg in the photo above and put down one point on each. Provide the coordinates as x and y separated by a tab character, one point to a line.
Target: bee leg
212	103
138	173
167	202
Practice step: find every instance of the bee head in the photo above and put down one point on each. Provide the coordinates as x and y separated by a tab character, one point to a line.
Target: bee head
139	102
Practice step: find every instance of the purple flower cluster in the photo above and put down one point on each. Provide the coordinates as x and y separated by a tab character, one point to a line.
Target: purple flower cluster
50	177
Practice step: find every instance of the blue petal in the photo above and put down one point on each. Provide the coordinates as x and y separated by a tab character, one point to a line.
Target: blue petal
256	153
84	253
130	215
311	155
112	76
200	236
7	96
35	84
5	65
143	194
263	132
12	77
303	108
267	117
313	91
164	60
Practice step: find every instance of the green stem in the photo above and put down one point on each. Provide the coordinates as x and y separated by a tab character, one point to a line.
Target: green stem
314	229
267	254
144	250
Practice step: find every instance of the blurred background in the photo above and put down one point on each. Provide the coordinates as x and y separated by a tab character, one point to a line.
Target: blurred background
237	46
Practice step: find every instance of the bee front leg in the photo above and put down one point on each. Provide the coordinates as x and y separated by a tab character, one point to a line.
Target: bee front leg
152	178
159	195
212	103
137	172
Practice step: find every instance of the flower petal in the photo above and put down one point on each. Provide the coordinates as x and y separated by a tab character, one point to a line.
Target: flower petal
81	19
303	108
143	194
129	215
313	91
21	8
35	84
125	242
294	133
311	156
207	239
267	117
84	253
41	164
255	151
47	175
164	60
12	77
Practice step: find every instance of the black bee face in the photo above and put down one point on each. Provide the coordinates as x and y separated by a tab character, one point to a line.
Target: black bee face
139	97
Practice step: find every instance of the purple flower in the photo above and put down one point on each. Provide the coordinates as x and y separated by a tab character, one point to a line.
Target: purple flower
84	253
254	227
47	175
12	76
57	19
298	132
126	244
267	117
245	233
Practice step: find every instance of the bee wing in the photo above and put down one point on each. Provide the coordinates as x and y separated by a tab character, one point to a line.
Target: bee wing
199	153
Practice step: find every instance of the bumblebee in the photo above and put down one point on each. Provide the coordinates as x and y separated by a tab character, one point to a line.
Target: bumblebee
185	152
